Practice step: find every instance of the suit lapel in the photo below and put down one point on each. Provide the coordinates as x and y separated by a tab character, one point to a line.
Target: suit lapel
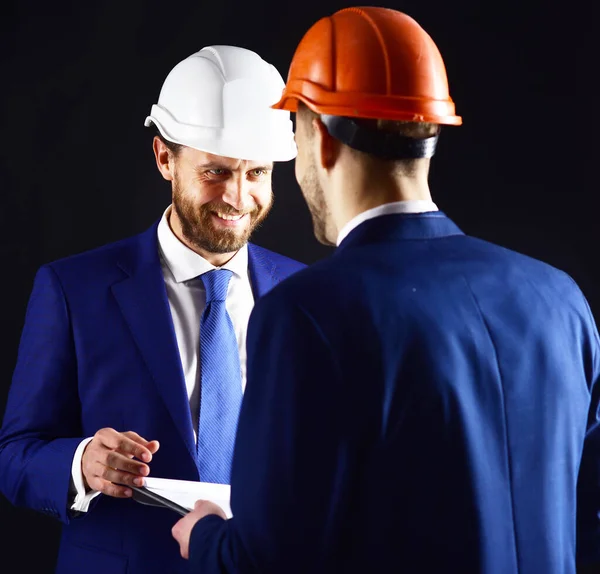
263	272
143	301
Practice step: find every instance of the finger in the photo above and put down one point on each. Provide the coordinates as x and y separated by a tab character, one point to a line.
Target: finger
175	529
140	439
118	461
111	439
127	444
107	437
110	474
111	489
150	446
96	459
136	437
153	446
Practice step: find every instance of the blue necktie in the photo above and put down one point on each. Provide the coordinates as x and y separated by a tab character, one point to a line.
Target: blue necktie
221	385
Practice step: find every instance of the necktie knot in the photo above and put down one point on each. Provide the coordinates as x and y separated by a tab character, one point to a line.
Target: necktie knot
216	283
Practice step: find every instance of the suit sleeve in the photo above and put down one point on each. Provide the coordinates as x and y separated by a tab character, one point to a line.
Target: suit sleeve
289	459
588	489
41	425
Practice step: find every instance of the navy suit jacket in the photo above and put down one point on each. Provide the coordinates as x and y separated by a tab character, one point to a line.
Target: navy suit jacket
418	402
98	349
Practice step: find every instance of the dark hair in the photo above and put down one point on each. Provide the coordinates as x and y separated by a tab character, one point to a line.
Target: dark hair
418	130
402	127
174	148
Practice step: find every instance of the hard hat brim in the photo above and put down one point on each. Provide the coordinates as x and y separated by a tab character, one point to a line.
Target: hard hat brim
264	146
368	106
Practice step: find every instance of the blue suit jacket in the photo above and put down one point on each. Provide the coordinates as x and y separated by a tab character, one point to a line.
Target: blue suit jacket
418	403
98	349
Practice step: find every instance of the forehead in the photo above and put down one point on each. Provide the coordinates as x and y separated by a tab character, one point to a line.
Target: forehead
205	159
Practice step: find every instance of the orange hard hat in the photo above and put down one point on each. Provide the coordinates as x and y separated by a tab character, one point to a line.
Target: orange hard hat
370	62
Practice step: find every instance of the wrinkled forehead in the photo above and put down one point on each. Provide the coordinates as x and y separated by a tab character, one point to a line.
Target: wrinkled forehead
209	160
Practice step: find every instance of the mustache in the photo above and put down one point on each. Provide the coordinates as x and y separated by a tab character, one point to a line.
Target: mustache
227	209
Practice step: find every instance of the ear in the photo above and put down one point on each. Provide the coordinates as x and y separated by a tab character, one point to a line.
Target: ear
164	159
327	147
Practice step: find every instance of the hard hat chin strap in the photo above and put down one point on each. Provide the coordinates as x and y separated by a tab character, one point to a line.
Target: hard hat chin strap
380	143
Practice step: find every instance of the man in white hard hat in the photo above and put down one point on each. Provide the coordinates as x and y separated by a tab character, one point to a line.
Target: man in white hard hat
141	344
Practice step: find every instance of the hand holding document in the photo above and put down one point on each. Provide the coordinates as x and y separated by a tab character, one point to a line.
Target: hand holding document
185	492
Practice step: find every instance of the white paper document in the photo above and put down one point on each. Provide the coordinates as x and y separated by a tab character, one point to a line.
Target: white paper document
186	492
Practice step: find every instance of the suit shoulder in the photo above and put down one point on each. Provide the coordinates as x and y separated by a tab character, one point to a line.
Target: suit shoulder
522	271
91	264
516	258
92	256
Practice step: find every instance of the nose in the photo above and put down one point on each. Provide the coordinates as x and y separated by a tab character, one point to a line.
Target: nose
237	194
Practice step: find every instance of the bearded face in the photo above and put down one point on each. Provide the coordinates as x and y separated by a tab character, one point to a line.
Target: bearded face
219	201
308	180
216	226
315	201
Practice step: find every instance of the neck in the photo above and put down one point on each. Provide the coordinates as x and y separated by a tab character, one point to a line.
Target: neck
216	259
355	189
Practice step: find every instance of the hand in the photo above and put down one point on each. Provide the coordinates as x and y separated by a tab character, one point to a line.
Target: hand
108	461
182	529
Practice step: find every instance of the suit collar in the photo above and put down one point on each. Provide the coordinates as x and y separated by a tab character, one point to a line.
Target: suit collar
404	206
401	227
142	252
145	252
142	298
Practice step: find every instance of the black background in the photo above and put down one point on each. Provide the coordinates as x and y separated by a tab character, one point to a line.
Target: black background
77	169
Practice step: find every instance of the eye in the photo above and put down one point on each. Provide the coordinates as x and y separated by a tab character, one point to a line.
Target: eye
217	171
258	172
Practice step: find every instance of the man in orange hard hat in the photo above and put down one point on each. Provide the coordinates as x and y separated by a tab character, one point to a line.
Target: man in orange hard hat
418	402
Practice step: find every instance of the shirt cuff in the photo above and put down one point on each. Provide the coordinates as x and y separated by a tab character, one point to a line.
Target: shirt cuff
82	498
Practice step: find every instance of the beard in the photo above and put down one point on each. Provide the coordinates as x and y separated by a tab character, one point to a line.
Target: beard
198	228
315	200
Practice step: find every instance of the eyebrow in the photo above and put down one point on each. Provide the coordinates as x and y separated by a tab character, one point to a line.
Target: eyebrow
212	165
219	165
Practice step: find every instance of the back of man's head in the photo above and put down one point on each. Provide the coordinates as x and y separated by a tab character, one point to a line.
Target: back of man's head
377	81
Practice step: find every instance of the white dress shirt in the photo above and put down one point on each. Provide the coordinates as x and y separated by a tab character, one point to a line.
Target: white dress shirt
181	269
407	206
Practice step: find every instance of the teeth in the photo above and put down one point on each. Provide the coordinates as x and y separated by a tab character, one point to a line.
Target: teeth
229	217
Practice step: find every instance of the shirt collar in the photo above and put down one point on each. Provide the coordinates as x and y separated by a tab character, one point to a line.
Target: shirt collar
407	206
186	264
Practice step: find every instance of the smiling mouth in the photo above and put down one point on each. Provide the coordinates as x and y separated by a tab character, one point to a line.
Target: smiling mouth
228	217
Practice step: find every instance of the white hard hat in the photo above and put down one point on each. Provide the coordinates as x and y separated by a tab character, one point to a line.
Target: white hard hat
218	100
